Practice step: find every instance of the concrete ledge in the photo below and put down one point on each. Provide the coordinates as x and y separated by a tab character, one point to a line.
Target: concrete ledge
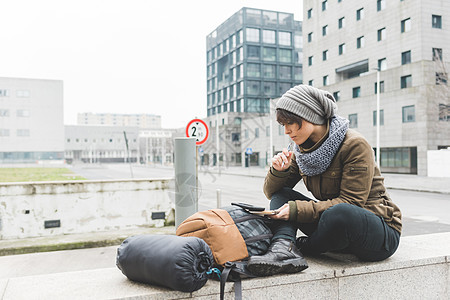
419	270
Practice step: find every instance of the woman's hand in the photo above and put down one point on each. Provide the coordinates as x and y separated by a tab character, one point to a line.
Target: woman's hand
282	213
282	160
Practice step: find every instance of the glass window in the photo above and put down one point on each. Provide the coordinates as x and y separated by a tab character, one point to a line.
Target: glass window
341	49
23	132
360	14
310	37
381	4
253	52
381	117
360	42
286	20
4	93
267	130
285	72
436	21
252	34
253	16
4	132
325	80
437	54
444	112
337	96
353	118
356	92
311	82
325	55
441	78
310	60
382	64
381	34
285	55
269	36
298	41
240	54
341	23
23	113
325	30
406	57
269	54
253	70
4	112
269	88
406	81
298	74
283	87
269	71
270	18
324	5
253	87
309	13
23	93
284	38
238	39
381	87
257	132
406	25
408	114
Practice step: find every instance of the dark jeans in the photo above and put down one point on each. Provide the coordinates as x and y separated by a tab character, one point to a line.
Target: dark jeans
342	227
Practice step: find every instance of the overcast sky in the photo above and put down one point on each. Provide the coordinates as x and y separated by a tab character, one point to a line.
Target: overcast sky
117	56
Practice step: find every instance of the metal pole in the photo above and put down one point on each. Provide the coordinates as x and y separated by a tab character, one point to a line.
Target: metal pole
378	119
219	198
271	131
217	142
185	179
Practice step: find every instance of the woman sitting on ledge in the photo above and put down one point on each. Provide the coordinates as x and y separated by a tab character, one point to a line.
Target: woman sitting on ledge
352	211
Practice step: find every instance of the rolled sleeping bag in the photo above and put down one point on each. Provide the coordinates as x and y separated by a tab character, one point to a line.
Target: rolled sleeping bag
175	262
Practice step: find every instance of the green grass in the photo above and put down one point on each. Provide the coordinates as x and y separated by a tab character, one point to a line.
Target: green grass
37	174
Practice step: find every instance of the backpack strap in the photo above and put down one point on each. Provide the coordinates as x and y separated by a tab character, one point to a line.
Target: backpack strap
229	266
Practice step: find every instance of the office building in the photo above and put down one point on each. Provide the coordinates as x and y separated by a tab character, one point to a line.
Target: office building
252	57
139	120
346	42
31	120
101	144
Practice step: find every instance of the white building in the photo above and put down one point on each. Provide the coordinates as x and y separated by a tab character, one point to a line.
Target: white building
31	120
101	144
345	41
139	120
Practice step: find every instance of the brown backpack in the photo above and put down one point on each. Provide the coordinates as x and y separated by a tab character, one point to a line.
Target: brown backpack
219	231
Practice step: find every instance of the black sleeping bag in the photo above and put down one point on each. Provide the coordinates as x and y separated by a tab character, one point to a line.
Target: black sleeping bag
176	262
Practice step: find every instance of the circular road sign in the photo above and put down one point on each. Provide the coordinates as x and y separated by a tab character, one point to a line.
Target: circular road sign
197	129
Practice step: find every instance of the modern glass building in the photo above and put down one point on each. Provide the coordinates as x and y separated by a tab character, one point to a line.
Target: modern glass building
252	57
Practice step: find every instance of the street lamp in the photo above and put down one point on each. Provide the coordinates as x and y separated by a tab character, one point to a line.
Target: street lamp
378	118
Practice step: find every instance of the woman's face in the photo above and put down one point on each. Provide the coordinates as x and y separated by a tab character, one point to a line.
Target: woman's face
299	133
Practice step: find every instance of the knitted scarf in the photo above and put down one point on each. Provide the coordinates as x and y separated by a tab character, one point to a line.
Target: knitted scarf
316	162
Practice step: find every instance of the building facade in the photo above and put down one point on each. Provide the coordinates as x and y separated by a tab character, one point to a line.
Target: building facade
139	120
346	43
101	144
31	120
253	57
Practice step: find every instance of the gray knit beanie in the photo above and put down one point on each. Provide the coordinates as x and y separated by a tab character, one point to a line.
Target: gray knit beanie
310	103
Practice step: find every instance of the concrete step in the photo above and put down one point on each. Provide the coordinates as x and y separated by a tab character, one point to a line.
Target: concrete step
420	269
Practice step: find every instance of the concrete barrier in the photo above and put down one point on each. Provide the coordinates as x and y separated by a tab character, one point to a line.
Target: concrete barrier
420	269
54	208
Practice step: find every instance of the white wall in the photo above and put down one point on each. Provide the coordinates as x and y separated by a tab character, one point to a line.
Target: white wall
438	163
81	206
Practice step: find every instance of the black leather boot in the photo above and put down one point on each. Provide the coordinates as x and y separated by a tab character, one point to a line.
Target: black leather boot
282	257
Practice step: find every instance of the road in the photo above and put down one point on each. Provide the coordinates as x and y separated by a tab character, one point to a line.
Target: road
423	213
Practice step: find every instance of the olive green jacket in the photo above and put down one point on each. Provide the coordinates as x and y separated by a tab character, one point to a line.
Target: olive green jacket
352	177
